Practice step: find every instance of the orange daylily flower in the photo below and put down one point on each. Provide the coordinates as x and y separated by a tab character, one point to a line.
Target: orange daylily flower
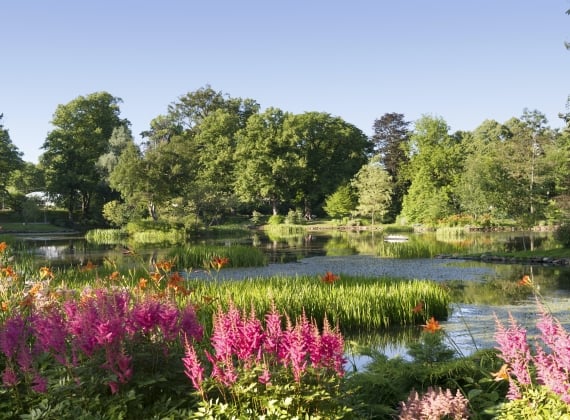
502	374
114	275
8	272
35	289
3	246
27	302
525	281
156	276
142	283
175	280
432	325
89	266
219	262
419	307
329	277
208	299
4	306
45	272
164	265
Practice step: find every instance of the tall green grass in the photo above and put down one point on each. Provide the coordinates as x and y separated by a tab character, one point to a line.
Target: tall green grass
198	256
417	249
105	236
357	304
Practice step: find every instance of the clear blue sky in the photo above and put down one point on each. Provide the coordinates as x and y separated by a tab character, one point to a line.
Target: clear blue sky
462	60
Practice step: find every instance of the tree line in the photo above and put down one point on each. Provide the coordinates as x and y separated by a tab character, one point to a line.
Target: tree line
212	155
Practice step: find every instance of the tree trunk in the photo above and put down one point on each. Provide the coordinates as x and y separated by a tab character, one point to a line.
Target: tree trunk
307	213
85	203
152	211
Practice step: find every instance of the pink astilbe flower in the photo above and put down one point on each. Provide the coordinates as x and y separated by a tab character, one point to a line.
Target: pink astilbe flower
39	384
240	342
515	351
9	377
49	329
550	374
222	335
294	352
250	339
189	324
192	366
82	321
168	317
265	377
124	368
223	369
13	335
436	403
108	331
273	331
553	367
332	349
146	315
114	386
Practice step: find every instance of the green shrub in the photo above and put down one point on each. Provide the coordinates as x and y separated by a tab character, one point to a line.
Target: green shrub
536	403
276	219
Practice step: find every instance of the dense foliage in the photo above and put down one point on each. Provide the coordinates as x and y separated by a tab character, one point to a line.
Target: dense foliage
212	156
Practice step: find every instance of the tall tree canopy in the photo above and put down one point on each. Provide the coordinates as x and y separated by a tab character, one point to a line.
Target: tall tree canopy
526	161
296	160
83	128
374	190
187	165
481	187
266	163
391	137
330	151
10	157
436	159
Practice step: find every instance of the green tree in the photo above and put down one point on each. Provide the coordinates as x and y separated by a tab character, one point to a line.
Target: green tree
558	157
213	191
266	163
525	159
296	160
156	179
373	187
81	136
10	158
391	138
201	126
120	138
329	151
131	180
187	113
341	203
436	160
27	179
482	185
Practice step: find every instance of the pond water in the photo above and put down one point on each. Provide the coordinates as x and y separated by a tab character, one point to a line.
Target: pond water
471	324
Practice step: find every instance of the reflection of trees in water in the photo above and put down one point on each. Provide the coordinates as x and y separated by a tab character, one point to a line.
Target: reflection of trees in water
526	242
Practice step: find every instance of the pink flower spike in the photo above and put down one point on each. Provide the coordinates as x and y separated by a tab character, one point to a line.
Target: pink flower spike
192	367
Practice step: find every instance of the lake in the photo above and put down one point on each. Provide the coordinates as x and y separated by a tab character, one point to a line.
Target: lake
471	324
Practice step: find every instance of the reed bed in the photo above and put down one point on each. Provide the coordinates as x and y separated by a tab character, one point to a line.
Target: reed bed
417	249
356	304
191	256
173	236
105	236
